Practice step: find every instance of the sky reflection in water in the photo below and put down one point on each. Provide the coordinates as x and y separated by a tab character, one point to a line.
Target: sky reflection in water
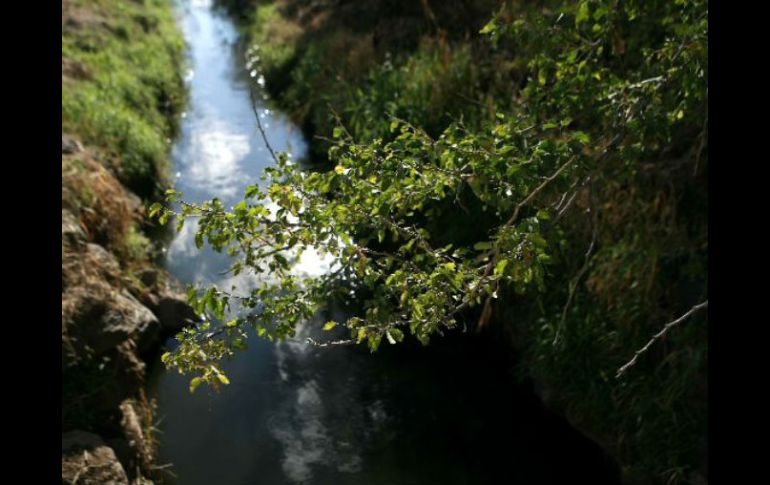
297	414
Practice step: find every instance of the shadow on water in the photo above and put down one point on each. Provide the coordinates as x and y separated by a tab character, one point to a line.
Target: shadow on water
447	414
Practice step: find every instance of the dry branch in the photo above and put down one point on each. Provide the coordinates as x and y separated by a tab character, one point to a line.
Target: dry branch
659	335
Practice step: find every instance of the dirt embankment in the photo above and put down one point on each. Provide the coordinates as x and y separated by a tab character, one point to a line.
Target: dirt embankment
121	96
116	310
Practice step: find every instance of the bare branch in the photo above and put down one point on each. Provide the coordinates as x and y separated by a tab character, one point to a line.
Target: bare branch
659	335
259	125
537	190
495	253
328	344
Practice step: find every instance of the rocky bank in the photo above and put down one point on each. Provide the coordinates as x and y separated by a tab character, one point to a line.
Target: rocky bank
115	313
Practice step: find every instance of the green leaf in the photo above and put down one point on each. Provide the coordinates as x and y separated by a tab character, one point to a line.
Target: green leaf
374	342
194	383
489	27
482	246
329	325
252	191
500	268
582	137
391	340
192	294
583	14
155	208
281	259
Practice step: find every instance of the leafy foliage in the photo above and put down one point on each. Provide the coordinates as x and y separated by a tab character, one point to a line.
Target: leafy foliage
583	196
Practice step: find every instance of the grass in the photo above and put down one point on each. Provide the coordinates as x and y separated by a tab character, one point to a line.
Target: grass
122	90
121	84
368	58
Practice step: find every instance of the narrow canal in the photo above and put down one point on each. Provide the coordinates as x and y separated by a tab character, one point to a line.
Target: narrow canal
449	414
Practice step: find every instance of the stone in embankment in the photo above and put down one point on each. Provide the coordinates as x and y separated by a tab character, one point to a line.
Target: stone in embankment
72	234
100	323
87	460
102	263
173	312
134	433
70	144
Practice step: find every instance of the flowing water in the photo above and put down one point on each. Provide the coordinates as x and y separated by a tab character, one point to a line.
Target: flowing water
448	414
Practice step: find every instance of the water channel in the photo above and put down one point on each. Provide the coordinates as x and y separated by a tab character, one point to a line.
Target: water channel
448	414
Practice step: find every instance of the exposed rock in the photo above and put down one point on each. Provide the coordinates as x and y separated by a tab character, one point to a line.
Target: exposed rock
102	323
72	69
142	481
137	320
70	145
86	264
132	429
82	18
102	262
173	312
94	388
148	299
129	362
124	453
72	234
148	276
133	202
126	456
86	460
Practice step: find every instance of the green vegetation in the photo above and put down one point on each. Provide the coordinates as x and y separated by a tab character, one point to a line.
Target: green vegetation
121	84
548	174
121	94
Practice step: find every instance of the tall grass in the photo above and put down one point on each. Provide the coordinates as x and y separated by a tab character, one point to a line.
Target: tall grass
122	84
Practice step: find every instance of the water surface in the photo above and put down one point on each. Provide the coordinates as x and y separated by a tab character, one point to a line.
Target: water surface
297	414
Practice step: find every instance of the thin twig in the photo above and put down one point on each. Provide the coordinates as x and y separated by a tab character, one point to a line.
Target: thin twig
563	209
328	344
496	251
659	335
537	190
259	125
586	264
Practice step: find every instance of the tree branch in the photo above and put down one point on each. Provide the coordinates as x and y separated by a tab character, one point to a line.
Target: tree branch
259	125
659	335
328	344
